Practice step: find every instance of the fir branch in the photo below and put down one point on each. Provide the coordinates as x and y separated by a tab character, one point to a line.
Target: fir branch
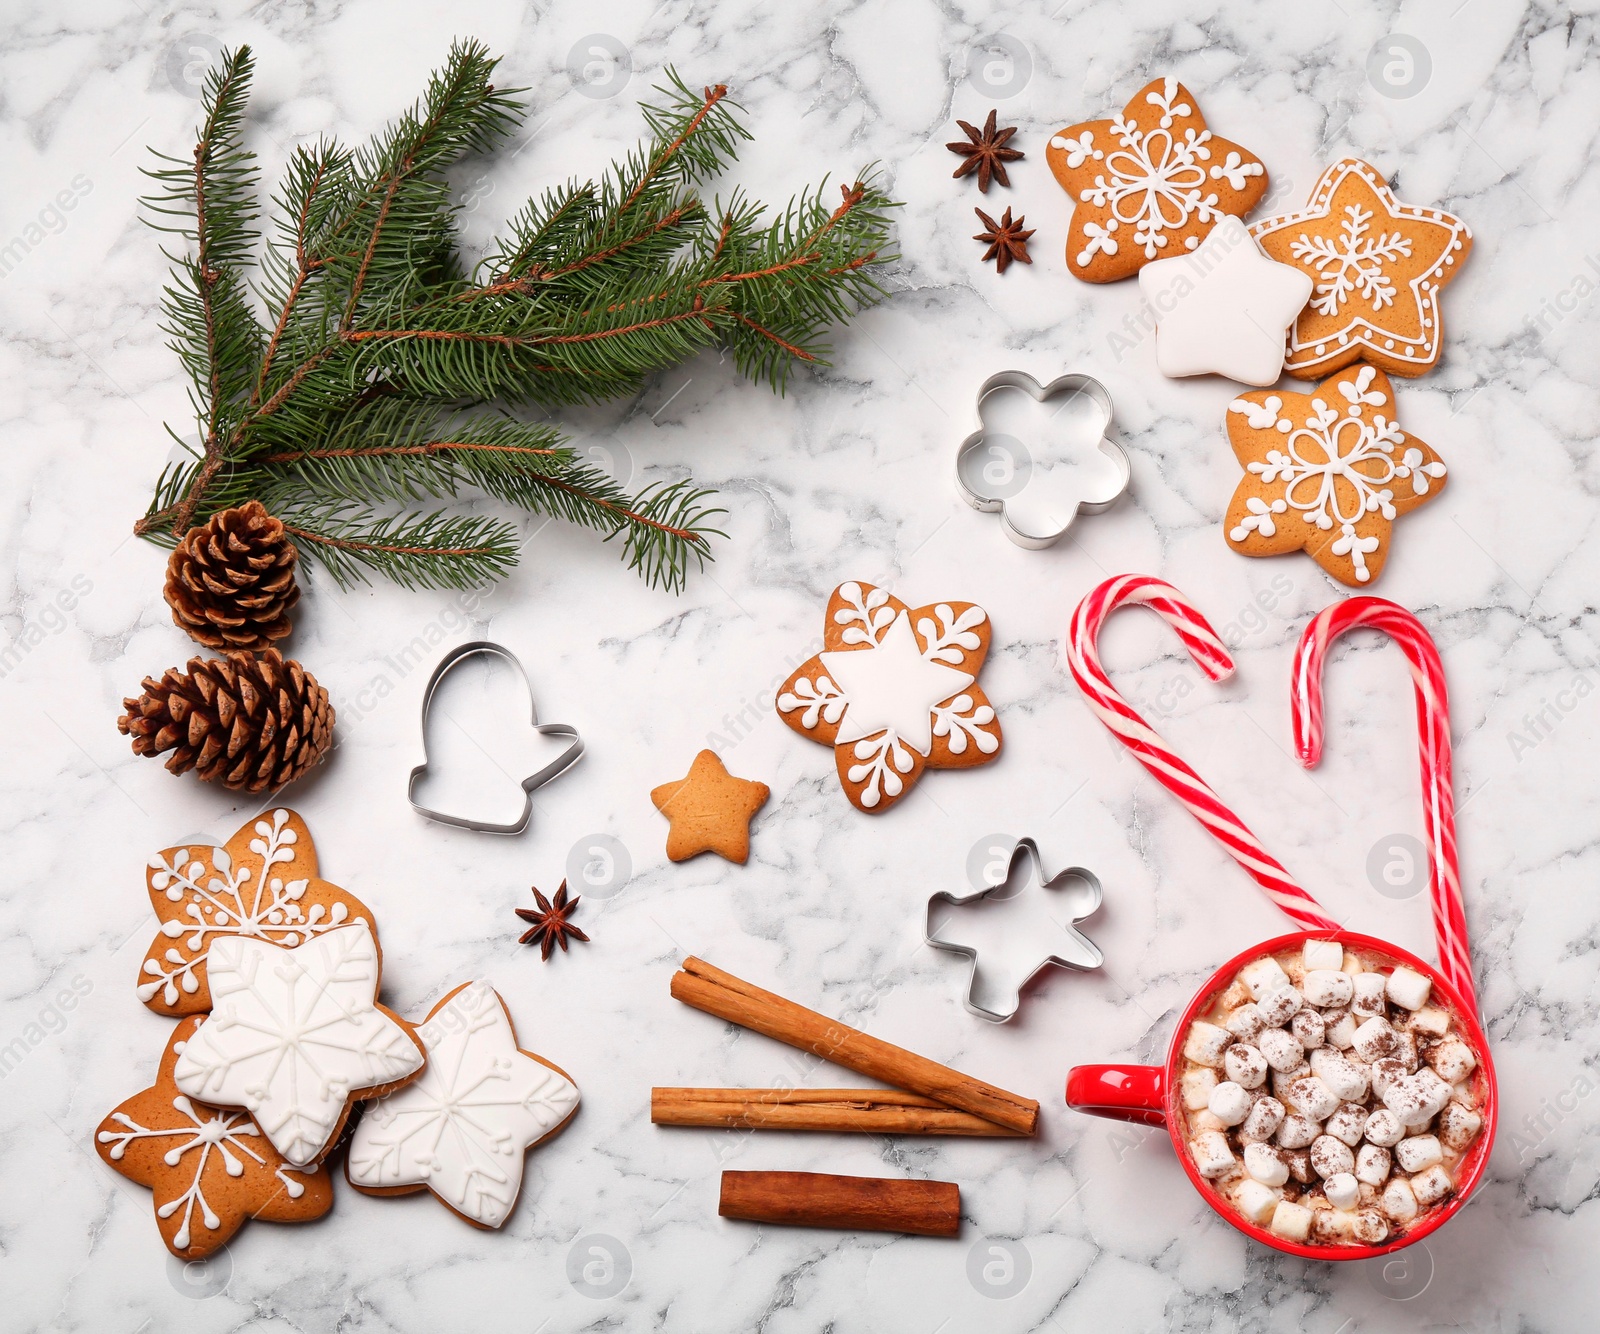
436	550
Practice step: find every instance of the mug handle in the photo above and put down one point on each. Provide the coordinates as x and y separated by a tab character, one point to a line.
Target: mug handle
1121	1092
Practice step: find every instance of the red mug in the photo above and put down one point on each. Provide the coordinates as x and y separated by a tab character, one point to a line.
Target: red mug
1150	1095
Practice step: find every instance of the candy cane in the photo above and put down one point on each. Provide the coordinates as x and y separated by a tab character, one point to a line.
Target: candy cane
1083	660
1433	731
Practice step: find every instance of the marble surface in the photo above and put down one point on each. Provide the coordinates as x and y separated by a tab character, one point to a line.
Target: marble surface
848	476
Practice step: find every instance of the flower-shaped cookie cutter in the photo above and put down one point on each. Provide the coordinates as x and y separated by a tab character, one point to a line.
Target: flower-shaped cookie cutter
999	483
564	761
1076	890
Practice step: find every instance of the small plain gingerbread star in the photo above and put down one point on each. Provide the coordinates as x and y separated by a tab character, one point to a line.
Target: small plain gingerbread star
710	810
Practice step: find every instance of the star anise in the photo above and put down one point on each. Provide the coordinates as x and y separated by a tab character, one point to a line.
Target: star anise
550	925
1007	240
987	154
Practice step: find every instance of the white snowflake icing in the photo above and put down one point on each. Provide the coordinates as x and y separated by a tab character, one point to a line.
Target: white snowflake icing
220	1129
1352	263
293	1034
883	759
818	699
229	900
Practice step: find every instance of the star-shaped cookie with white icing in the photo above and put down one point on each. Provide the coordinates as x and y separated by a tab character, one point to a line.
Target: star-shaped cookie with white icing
894	692
1224	308
295	1035
463	1128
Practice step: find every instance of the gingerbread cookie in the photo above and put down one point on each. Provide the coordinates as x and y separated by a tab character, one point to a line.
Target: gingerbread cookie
263	883
208	1168
894	691
1148	183
296	1034
464	1127
710	810
1378	266
1327	473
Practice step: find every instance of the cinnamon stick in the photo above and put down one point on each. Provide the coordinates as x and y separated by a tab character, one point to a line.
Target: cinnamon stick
708	988
812	1199
874	1111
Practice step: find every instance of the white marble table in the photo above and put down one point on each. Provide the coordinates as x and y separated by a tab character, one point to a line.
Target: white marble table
849	476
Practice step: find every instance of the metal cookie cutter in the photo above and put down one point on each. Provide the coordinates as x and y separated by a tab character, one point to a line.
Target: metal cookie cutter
1080	899
996	472
557	766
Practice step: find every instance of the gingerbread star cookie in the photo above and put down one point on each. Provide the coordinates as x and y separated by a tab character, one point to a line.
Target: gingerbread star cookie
710	810
1327	473
1149	183
894	692
263	883
208	1168
463	1129
1377	265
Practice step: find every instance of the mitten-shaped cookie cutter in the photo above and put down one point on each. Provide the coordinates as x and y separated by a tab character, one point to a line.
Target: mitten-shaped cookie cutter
991	494
569	756
1075	889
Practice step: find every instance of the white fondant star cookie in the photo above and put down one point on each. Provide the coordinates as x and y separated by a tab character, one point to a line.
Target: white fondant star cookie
1225	309
894	692
463	1128
295	1034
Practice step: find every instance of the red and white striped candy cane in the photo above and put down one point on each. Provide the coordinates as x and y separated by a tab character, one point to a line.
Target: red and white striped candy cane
1433	731
1083	660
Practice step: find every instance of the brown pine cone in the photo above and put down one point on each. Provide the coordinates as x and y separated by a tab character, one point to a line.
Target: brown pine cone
230	583
244	722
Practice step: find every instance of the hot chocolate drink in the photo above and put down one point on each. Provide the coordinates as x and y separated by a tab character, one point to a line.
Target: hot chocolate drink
1328	1098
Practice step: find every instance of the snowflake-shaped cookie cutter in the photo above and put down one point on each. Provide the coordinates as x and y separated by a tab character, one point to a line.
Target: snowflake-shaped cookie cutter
989	493
1080	895
569	755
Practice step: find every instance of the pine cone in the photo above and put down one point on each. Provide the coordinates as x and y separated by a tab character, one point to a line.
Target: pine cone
244	722
230	583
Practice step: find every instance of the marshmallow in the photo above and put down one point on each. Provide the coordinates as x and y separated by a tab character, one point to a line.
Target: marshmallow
1457	1125
1347	1124
1398	1201
1384	1073
1279	1003
1374	1039
1282	1050
1229	1103
1206	1043
1418	1152
1338	1028
1245	1022
1320	954
1256	1201
1405	1051
1296	1131
1245	1065
1368	998
1236	995
1372	1165
1371	1227
1312	1098
1333	1227
1432	1185
1384	1129
1211	1154
1453	1060
1330	1156
1345	1080
1419	1095
1408	988
1299	1166
1342	1190
1420	1122
1195	1085
1263	975
1433	1021
1265	1165
1291	1221
1324	987
1203	1120
1309	1028
1264	1119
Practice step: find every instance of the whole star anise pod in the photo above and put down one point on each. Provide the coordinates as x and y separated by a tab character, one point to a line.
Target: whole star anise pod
986	154
550	925
1007	240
